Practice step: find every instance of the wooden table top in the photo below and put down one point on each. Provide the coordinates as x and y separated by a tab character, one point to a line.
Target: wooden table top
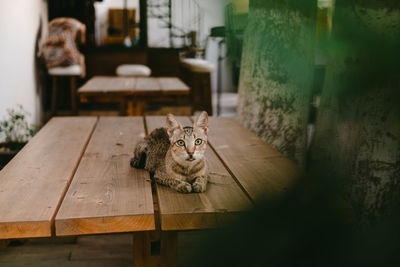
74	178
133	85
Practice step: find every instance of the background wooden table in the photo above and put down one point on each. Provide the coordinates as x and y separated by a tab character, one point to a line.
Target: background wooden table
73	178
133	93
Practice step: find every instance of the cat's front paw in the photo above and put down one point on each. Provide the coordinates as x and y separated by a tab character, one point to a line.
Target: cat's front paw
199	187
183	187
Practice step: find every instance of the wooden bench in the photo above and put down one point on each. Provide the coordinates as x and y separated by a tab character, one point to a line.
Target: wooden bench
73	178
133	93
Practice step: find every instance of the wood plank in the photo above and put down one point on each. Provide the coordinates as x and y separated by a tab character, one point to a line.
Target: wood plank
147	85
108	85
262	171
172	85
34	182
107	195
222	199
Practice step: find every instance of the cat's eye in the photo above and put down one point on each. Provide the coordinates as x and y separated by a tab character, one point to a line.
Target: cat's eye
198	142
180	142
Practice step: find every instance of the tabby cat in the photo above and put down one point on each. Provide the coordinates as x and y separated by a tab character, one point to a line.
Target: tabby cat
175	155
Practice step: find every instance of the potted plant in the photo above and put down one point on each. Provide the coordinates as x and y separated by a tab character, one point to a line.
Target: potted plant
15	132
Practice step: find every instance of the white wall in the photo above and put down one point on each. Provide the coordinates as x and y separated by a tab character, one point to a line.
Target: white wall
19	24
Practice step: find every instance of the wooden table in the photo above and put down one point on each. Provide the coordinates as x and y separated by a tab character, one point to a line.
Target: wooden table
73	178
133	93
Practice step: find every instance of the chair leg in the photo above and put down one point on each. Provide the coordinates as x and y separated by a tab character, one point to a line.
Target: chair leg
130	110
74	105
123	107
53	110
139	107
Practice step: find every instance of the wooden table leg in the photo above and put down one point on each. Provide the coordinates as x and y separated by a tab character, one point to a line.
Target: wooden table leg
130	108
169	249
139	107
168	256
142	249
122	107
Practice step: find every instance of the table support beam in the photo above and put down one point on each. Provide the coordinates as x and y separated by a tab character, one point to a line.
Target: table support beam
142	249
169	249
142	252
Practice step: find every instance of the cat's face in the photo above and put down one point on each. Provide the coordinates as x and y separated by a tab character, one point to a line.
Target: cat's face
188	144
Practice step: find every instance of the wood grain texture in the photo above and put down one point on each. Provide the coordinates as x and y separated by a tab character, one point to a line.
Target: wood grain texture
108	84
222	199
262	171
107	195
104	87
172	85
146	85
34	182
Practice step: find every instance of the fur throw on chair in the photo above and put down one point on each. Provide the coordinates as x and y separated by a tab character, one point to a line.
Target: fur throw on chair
60	47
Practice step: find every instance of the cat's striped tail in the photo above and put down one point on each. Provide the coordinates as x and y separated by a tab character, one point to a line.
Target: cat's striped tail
139	159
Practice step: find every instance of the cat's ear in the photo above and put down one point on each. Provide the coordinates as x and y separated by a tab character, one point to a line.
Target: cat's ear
172	125
202	121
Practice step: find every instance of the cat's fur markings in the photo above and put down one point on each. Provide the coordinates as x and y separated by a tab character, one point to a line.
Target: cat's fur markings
175	155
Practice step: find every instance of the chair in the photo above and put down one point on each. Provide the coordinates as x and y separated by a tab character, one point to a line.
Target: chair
62	57
197	74
71	72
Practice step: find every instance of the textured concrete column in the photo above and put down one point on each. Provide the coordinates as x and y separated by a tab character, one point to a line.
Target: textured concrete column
277	73
357	138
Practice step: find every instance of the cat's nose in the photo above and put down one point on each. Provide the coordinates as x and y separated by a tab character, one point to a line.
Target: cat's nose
190	158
